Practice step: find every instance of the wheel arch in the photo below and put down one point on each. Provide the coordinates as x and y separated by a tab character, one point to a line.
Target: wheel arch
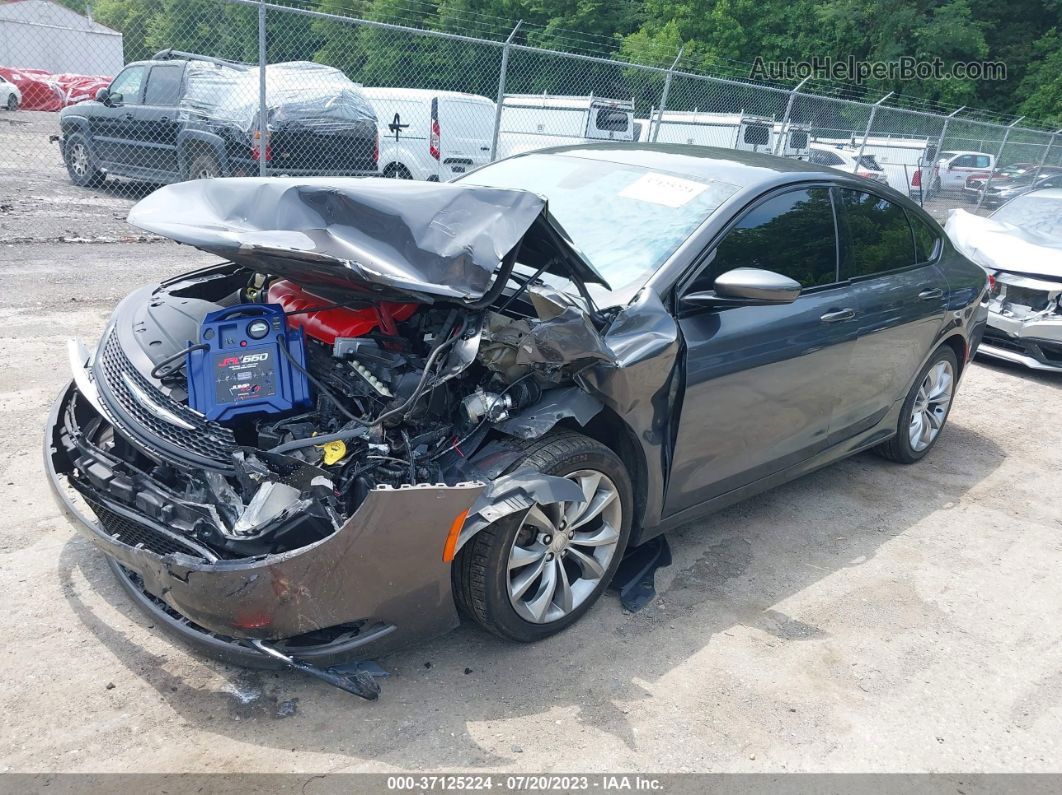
190	143
608	428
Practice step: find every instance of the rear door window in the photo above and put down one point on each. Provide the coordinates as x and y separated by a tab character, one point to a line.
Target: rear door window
877	236
792	234
164	85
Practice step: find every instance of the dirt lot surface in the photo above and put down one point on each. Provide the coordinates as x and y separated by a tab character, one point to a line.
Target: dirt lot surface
869	617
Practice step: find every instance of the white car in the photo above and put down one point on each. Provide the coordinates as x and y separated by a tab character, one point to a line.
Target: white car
431	135
1020	245
849	160
10	96
952	169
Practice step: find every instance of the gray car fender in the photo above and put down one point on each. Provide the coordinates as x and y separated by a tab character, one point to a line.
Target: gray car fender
514	493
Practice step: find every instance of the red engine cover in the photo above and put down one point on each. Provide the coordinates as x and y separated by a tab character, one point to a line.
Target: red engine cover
328	324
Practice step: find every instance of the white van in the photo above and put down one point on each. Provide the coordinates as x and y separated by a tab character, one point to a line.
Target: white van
796	142
432	135
728	130
535	121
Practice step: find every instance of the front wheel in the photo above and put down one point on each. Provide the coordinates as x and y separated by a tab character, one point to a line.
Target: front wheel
529	576
925	410
12	102
80	164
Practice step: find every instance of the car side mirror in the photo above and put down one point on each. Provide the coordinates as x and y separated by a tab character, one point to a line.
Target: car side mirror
746	287
114	99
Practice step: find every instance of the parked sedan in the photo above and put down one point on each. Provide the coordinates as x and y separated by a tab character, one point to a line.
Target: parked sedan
1020	245
998	194
395	399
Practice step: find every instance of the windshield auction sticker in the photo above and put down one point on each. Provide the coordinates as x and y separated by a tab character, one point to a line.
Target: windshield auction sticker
664	189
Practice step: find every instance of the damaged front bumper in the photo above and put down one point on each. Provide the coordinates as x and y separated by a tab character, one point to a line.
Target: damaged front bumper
1025	322
377	583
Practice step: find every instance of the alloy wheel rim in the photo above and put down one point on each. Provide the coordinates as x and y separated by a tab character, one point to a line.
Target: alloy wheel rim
79	159
563	550
930	407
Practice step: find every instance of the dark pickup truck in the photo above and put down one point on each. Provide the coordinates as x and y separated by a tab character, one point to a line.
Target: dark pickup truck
184	116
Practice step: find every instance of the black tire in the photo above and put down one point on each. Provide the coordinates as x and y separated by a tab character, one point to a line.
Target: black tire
396	171
899	447
479	573
203	165
81	163
12	102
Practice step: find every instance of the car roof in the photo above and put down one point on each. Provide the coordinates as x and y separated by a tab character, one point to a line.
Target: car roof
743	169
1045	193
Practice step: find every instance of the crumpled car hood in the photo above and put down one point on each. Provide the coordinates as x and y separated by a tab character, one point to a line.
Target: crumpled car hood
382	236
1001	246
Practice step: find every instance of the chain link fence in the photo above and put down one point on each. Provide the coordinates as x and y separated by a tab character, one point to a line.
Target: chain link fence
205	88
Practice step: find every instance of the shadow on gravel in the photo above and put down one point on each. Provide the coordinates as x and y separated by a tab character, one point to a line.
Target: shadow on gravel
730	570
1044	377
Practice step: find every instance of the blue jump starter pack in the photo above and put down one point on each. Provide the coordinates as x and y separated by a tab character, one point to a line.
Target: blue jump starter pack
242	369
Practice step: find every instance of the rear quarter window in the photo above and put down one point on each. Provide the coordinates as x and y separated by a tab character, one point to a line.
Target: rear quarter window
927	241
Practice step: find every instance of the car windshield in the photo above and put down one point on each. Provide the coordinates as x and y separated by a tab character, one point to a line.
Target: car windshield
1041	215
625	220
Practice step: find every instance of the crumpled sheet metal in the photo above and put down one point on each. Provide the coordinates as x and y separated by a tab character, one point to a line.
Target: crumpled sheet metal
429	238
383	565
555	405
645	341
299	94
515	492
996	245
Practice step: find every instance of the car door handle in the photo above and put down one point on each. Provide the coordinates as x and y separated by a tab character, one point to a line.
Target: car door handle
165	120
838	315
128	117
930	293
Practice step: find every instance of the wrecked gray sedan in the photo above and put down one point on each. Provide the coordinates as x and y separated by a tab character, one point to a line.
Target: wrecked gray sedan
393	400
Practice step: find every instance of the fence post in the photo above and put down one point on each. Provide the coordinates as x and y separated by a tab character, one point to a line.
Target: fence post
866	133
663	95
925	190
501	91
999	155
788	110
1043	158
263	114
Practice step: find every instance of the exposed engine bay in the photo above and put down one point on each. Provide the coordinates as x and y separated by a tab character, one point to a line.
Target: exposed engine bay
317	399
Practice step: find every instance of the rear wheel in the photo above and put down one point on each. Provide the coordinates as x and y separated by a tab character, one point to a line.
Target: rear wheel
397	171
80	164
529	576
925	410
203	165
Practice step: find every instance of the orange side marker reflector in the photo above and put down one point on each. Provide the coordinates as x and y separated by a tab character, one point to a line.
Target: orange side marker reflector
451	540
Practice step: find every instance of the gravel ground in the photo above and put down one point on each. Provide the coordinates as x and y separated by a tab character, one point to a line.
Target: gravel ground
869	617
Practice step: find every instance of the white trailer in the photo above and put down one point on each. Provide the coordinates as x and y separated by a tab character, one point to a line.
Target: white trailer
726	130
795	140
537	121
